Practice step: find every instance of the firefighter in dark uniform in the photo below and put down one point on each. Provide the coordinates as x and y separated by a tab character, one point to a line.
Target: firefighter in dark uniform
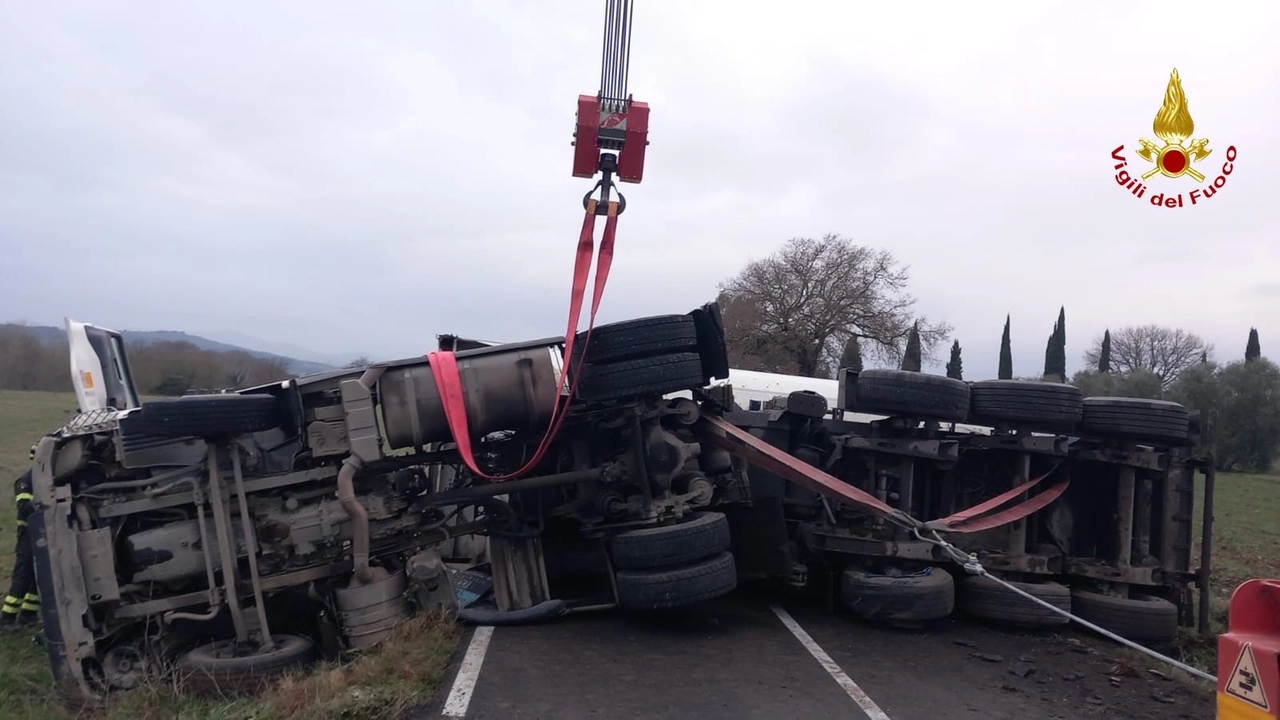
22	604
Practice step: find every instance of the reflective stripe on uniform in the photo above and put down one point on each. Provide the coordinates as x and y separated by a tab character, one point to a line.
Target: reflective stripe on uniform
10	605
32	597
23	496
30	607
11	600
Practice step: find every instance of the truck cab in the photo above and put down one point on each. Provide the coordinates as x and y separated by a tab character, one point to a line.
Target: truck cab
100	370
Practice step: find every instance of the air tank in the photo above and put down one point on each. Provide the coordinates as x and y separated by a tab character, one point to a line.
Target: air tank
507	387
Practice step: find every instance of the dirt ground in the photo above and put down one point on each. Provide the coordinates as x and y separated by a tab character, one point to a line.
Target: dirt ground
736	659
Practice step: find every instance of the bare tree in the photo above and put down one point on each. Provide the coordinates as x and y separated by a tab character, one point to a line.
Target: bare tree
795	310
1167	352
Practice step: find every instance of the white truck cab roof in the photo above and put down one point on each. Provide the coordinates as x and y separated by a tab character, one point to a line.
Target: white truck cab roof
99	368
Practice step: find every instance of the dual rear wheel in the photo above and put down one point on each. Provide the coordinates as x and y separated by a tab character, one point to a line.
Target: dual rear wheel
673	565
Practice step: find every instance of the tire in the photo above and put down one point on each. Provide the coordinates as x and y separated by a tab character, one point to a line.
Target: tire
921	597
645	376
712	346
1135	419
677	587
644	337
207	415
1026	401
985	599
695	537
1142	618
203	669
914	394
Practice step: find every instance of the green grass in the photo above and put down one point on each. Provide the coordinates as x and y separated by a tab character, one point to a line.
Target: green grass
1246	544
25	683
401	672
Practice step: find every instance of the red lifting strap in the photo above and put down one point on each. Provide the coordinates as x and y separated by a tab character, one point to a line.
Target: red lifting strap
444	365
717	431
721	433
967	521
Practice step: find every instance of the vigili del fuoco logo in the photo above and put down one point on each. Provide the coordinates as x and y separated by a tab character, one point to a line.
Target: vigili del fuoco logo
1176	156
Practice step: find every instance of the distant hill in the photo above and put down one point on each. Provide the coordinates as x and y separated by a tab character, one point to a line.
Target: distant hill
145	337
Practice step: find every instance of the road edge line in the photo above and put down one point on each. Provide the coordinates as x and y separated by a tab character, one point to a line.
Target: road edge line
464	683
850	687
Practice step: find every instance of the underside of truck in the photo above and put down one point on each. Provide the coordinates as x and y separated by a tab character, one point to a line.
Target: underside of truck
1087	504
233	536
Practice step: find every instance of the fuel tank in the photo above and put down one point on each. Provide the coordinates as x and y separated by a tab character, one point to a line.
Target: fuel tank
507	387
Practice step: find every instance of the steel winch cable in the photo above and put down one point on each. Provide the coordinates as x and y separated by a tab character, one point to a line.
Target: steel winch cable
971	565
615	52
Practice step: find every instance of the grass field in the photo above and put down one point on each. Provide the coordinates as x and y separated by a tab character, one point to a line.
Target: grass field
402	672
1246	544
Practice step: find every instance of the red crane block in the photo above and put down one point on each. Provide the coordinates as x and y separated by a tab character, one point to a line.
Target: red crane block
611	125
1249	654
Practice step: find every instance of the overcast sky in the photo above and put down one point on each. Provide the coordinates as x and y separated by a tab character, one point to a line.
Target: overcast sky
352	178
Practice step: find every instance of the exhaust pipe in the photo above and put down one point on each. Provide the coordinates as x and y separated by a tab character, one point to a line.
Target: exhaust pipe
359	519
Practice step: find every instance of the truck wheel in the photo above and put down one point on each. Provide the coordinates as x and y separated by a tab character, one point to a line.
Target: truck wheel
645	376
205	416
643	337
914	394
1143	617
1135	419
984	598
676	587
1025	401
217	667
694	537
711	343
929	594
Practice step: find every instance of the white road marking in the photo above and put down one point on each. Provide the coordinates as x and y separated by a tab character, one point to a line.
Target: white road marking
872	710
468	673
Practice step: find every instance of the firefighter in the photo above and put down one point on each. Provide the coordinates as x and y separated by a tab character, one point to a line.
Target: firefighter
22	604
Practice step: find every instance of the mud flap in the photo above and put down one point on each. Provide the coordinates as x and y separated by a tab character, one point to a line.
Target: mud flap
759	541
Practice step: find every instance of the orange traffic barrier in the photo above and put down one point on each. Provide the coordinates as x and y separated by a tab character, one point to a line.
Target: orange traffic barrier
1249	654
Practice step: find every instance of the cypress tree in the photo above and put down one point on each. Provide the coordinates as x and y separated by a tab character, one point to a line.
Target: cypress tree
955	366
1006	354
911	358
1252	350
1055	350
1048	352
852	356
1060	345
1104	356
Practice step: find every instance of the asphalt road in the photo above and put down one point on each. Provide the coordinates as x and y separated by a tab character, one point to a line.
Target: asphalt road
749	656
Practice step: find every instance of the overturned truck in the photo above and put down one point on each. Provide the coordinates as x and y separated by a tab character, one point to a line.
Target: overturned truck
230	537
233	536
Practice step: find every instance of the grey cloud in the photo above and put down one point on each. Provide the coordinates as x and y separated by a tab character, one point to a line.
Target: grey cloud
351	179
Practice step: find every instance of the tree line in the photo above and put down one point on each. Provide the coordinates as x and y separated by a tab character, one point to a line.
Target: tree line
817	305
159	368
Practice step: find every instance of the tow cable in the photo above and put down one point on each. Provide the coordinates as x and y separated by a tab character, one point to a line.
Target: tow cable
608	121
715	430
971	565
